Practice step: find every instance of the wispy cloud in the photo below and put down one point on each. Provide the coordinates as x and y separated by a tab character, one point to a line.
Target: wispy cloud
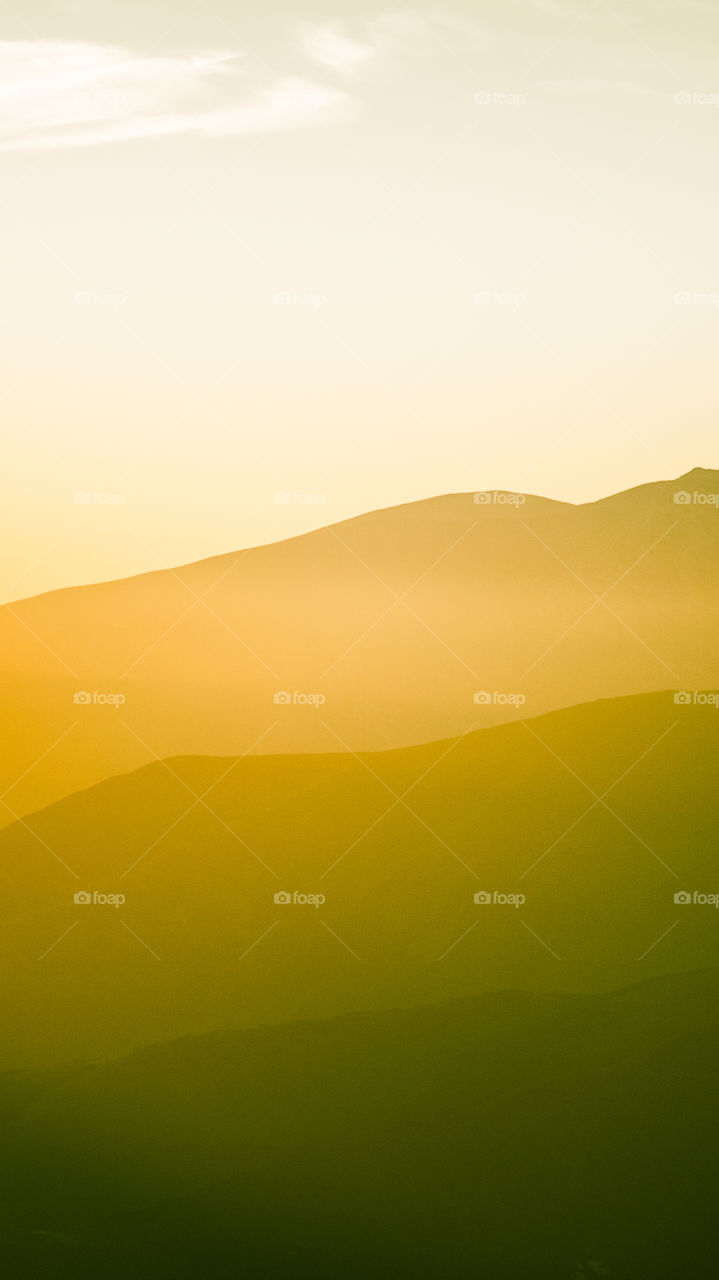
59	94
334	47
346	46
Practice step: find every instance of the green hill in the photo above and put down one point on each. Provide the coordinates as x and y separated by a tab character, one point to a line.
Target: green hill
597	815
512	1136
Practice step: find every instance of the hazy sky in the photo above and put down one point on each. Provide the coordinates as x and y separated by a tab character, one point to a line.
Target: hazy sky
360	252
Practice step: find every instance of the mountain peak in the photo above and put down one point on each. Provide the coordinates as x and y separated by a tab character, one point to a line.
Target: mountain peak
699	475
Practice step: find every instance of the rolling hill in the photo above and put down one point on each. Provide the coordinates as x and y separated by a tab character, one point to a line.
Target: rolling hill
517	1136
381	630
596	815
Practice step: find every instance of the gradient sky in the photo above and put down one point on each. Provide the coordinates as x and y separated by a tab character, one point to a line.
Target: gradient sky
365	253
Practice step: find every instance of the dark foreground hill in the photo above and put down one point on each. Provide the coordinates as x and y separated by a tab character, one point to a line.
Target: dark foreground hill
596	816
508	1137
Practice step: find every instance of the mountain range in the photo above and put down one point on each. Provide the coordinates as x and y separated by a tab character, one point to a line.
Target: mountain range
543	855
401	626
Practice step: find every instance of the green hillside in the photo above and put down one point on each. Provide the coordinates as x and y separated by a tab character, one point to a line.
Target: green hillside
515	1136
398	844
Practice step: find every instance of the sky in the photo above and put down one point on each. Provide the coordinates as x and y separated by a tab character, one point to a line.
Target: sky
269	266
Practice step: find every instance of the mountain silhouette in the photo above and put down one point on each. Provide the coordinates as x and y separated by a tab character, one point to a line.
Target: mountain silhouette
597	816
380	632
515	1135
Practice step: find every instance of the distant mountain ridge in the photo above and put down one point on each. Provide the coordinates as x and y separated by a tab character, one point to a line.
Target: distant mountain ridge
380	631
439	507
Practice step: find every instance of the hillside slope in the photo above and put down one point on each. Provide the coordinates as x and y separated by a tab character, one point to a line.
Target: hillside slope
597	815
515	1136
396	619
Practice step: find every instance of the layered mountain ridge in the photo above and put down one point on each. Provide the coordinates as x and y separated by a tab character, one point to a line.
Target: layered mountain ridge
410	624
198	893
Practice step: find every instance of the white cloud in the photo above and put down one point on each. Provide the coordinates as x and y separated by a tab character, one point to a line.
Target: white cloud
345	46
58	94
336	49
